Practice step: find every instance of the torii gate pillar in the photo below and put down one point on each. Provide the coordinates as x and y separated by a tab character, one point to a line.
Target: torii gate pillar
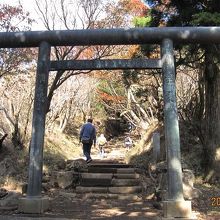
34	202
175	206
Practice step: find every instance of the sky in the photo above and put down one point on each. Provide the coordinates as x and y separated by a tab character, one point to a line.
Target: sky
28	5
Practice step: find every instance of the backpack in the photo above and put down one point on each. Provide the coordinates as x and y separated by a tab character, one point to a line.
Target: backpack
102	141
86	140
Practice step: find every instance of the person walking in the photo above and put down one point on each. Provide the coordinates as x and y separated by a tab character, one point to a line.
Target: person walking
88	138
101	141
128	143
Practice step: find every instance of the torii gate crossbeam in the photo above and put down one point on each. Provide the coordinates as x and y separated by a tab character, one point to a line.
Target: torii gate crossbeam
111	64
204	35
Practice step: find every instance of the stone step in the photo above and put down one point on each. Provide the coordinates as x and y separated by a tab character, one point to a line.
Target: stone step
106	161
96	189
99	161
113	189
125	189
126	170
96	179
96	182
96	175
125	182
130	197
108	170
126	175
109	165
101	179
87	175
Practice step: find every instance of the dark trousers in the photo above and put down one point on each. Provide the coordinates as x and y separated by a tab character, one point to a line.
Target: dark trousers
101	148
87	150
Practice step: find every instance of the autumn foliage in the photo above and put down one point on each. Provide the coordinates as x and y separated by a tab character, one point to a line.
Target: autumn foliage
114	99
14	18
134	7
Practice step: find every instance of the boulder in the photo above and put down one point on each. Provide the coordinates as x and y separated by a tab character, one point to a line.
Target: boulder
63	179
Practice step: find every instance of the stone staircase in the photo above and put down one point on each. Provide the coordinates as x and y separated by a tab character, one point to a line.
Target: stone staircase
113	190
109	180
103	189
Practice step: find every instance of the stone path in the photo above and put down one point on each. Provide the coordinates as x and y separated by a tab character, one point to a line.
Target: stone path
107	189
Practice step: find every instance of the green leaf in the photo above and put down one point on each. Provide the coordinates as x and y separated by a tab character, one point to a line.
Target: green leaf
142	21
206	19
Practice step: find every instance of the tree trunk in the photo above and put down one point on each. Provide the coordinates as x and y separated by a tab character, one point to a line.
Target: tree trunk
212	116
146	137
66	116
2	139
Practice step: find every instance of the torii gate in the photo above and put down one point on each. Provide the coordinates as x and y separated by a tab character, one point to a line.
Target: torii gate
175	206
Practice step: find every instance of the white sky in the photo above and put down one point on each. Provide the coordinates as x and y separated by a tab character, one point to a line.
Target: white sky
28	5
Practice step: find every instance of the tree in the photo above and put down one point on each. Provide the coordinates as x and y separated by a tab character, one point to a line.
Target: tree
121	13
206	58
134	96
15	65
71	98
16	104
88	14
14	19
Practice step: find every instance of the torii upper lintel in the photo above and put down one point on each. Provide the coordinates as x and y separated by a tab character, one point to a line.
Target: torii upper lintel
152	35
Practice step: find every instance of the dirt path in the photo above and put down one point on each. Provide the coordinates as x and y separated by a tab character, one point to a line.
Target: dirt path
64	205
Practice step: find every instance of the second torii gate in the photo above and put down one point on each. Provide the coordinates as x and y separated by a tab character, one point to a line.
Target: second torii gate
175	206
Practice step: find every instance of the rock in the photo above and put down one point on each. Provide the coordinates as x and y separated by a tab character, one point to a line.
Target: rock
63	179
61	165
24	188
3	193
190	192
188	177
77	165
157	205
46	187
46	179
67	194
11	199
6	167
